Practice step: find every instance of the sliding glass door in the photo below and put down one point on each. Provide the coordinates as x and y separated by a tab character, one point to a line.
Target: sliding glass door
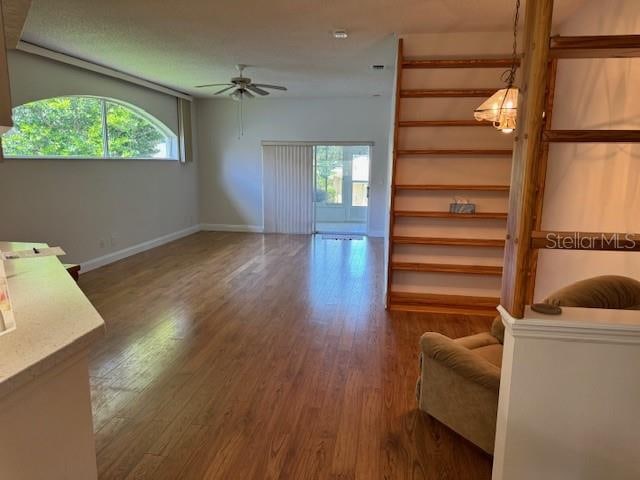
341	188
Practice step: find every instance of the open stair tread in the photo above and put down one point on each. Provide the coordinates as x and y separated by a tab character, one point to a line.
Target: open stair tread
500	62
454	242
454	151
443	123
442	303
446	187
591	136
447	268
595	46
447	92
436	214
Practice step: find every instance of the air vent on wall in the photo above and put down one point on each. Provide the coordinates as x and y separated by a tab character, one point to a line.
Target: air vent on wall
377	67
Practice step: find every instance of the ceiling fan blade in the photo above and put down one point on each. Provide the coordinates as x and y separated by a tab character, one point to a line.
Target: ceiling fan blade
275	87
224	90
248	94
257	90
212	85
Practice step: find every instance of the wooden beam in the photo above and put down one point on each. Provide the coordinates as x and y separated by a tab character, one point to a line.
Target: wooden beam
447	268
526	154
448	93
444	123
452	242
394	166
444	304
459	63
410	298
592	136
597	46
555	240
15	15
465	216
456	152
6	121
470	188
455	312
541	175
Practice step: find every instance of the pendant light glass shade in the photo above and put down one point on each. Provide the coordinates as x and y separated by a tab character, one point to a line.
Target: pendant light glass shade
501	108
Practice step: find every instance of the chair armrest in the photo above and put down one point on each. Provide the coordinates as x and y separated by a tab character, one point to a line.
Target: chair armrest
460	359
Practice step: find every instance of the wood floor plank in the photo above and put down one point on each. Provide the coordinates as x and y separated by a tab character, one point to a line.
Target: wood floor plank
252	356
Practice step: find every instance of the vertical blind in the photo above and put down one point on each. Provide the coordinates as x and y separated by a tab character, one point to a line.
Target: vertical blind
288	188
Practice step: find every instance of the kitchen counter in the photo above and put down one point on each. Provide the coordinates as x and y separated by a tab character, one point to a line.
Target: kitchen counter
53	318
45	400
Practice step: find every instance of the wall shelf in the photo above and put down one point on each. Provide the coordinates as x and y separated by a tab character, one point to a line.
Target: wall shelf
447	268
465	216
599	46
453	242
441	303
458	63
470	188
591	136
456	152
452	152
443	123
448	93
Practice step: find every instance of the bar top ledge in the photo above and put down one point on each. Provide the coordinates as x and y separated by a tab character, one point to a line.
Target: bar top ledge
53	319
577	324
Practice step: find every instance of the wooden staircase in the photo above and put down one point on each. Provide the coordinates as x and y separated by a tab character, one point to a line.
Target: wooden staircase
532	157
444	262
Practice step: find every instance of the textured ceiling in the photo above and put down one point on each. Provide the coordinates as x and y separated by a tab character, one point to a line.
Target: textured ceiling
189	42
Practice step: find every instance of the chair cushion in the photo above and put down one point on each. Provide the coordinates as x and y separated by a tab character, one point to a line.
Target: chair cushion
476	341
607	291
497	329
491	353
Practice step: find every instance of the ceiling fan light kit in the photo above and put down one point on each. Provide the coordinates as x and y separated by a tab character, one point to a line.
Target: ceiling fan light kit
243	87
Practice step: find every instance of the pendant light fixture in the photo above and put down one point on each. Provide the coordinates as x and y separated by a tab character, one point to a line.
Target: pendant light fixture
501	108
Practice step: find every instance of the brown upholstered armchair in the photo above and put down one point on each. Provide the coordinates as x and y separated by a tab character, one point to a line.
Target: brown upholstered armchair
460	379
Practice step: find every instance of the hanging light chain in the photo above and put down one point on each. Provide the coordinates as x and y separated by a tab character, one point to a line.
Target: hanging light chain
509	76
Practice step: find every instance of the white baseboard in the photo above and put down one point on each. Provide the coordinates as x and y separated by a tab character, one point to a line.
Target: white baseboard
223	227
140	247
156	242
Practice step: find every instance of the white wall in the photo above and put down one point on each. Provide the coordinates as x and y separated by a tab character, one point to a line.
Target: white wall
81	204
594	187
230	168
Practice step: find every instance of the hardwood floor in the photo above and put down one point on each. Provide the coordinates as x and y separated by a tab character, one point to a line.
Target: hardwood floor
243	356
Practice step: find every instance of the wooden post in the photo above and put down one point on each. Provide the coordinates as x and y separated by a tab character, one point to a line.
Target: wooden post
5	93
526	154
396	123
542	175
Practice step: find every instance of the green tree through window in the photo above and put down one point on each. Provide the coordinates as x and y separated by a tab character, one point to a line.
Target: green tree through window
74	127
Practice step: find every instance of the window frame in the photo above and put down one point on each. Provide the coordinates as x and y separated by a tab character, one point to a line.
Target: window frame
104	101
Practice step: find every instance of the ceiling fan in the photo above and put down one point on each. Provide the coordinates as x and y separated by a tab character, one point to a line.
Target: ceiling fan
243	86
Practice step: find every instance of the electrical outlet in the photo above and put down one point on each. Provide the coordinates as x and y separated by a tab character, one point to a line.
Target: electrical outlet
113	240
102	243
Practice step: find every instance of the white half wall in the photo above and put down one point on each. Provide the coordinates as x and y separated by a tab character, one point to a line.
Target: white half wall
230	167
94	209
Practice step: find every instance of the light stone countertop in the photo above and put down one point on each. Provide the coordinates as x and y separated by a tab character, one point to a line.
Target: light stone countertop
54	320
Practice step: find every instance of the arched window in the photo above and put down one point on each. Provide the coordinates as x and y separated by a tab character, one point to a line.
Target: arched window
87	127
